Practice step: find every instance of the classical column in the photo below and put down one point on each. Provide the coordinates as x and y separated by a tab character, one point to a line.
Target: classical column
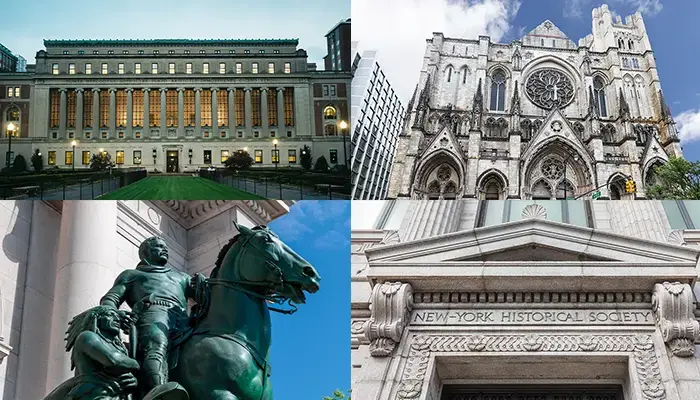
232	111
214	114
129	112
180	112
280	109
79	112
248	115
112	112
198	112
163	121
64	114
146	111
263	110
95	113
85	270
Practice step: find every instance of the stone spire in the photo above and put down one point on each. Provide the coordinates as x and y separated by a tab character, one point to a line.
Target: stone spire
422	107
624	107
477	108
665	110
592	105
515	101
668	124
409	109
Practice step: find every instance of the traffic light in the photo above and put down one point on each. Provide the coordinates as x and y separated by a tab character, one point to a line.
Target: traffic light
630	186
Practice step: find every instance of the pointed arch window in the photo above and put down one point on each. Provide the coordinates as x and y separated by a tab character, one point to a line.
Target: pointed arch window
631	44
599	89
498	90
449	74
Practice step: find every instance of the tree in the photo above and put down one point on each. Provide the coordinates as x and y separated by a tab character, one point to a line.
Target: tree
678	179
20	164
321	164
306	158
37	161
101	161
240	159
338	395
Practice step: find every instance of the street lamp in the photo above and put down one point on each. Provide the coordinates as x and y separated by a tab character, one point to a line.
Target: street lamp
189	152
277	154
73	143
343	127
575	157
11	129
245	149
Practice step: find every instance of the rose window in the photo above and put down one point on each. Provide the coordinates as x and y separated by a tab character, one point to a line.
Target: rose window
549	88
552	169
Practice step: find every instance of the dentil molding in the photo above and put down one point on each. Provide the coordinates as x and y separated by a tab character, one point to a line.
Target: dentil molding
390	305
672	304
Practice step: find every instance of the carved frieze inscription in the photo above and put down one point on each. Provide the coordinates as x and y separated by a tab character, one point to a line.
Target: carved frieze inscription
532	317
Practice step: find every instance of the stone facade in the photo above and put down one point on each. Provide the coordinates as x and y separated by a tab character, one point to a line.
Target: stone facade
178	105
539	118
60	257
448	296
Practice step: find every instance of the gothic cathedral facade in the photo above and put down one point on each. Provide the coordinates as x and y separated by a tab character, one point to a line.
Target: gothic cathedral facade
540	118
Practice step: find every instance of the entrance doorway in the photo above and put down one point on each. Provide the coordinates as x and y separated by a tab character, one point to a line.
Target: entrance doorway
173	161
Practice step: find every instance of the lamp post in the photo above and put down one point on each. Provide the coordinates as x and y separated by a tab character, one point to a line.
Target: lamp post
11	130
575	157
343	127
73	143
189	153
276	160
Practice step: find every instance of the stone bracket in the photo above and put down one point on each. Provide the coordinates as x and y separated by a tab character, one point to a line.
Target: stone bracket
672	304
391	304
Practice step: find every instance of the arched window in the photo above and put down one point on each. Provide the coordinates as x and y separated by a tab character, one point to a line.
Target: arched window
635	63
620	43
625	62
464	74
13	116
330	113
526	129
599	88
498	91
449	74
450	191
434	190
631	44
608	132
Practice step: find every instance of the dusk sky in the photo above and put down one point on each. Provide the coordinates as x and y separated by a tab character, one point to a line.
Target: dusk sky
671	26
36	20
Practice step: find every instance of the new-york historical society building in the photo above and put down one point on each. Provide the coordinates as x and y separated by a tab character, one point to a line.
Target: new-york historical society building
175	105
60	257
538	118
522	299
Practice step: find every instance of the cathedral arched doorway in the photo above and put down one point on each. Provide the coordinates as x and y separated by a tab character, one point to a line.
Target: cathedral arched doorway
492	186
616	186
556	172
439	177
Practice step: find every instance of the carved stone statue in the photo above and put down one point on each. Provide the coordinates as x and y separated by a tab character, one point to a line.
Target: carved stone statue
103	370
220	350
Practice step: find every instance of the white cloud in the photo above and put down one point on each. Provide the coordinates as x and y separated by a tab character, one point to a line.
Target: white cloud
647	7
688	123
398	29
573	8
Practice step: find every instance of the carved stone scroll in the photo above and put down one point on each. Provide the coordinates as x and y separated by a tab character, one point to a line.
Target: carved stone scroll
672	304
391	305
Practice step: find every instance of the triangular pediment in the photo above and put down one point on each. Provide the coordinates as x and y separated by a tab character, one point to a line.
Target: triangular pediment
532	239
652	151
556	128
545	31
443	141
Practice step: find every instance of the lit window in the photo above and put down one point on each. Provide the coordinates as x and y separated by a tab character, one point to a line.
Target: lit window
222	68
154	68
52	158
137	135
239	68
205	68
217	51
292	156
17	92
69	158
270	68
88	69
87	135
54	69
125	52
188	68
104	69
171	51
255	68
104	135
332	88
258	156
71	69
224	156
86	157
120	157
137	68
275	156
287	68
334	156
9	92
171	68
137	157
110	52
223	135
121	68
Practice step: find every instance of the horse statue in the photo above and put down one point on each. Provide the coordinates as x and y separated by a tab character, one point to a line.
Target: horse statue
223	352
226	356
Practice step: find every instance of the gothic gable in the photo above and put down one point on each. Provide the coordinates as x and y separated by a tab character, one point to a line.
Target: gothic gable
652	151
545	31
556	126
443	141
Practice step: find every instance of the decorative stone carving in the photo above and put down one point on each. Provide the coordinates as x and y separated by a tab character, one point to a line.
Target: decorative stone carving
391	304
477	109
549	88
534	211
641	346
676	237
672	304
391	237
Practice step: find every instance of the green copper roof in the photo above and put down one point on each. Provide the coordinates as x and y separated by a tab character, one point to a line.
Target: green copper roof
173	42
5	50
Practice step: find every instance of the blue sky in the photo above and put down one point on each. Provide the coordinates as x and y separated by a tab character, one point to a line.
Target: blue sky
671	25
35	20
311	348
